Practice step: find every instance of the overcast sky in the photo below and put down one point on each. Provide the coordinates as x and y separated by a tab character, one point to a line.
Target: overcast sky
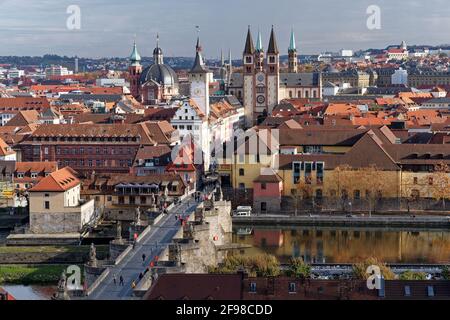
36	27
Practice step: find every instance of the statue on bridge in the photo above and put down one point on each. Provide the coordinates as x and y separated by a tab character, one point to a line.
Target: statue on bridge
61	293
92	256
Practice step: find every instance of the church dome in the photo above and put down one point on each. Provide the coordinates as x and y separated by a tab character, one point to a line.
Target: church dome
157	51
160	73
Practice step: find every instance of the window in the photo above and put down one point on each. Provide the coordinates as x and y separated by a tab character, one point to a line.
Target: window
109	198
296	172
47	205
356	194
20	175
34	175
407	291
189	127
132	200
415	180
263	186
308	169
430	291
241	172
46	195
263	206
430	181
253	287
319	194
292	287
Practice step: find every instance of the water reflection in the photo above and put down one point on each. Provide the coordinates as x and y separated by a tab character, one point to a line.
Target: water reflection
320	245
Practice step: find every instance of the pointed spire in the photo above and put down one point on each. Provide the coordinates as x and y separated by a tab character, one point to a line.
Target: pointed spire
199	65
222	59
157	52
292	46
135	57
259	46
273	48
230	63
249	47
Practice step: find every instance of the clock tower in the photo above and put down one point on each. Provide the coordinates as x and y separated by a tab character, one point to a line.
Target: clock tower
199	78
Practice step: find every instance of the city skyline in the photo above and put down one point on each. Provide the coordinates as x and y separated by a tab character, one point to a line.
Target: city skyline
30	28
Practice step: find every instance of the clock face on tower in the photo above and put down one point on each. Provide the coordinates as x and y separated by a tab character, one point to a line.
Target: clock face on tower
198	92
260	99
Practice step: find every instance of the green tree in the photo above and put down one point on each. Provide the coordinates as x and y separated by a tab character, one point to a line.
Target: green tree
411	275
446	273
359	270
255	266
299	269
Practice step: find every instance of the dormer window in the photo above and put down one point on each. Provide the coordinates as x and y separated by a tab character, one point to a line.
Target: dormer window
19	174
34	174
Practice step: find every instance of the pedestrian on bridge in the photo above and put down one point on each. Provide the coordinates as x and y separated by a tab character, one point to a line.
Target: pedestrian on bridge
114	279
121	280
143	257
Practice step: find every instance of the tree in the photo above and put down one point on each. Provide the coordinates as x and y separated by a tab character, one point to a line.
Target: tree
374	182
359	270
255	266
303	191
342	184
441	182
446	273
411	275
299	269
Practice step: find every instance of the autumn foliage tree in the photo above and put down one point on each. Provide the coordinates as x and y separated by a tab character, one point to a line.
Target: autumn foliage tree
441	182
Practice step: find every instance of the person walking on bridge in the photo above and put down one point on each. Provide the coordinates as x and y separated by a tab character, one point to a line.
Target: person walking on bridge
114	279
143	258
121	280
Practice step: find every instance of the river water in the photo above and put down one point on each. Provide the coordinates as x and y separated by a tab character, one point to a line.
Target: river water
345	245
22	292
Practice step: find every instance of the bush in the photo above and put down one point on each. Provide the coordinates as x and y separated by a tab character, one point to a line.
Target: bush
410	275
359	269
298	268
446	273
255	266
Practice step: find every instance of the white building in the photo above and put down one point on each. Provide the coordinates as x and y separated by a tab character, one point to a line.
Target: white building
56	206
207	123
400	77
346	53
110	82
57	71
15	73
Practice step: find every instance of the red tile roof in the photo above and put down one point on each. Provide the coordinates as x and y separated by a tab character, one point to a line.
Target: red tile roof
57	181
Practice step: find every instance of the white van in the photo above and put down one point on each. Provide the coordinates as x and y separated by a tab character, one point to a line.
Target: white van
243	211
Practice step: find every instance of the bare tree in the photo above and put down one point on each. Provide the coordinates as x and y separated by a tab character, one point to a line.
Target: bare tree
441	182
374	182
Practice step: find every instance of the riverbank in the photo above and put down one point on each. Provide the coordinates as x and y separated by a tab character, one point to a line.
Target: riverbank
426	222
31	274
49	254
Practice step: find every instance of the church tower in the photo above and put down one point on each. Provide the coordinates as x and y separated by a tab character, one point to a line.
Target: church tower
249	78
157	53
135	70
273	73
292	53
199	78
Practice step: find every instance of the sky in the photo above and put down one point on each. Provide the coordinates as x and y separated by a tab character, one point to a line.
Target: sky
108	27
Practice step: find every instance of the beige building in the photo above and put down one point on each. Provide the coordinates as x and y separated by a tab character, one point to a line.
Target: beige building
55	205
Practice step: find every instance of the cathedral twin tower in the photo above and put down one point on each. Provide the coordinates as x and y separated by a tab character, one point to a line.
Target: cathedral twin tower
261	76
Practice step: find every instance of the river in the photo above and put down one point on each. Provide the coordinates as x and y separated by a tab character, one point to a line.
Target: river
33	292
345	245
